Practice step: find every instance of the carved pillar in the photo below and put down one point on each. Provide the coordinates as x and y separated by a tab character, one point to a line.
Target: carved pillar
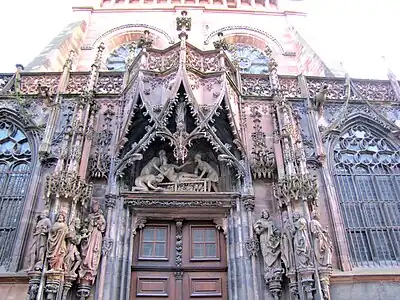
178	260
332	202
252	245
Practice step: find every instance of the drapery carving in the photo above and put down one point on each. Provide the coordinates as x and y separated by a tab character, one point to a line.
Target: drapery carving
56	244
39	242
92	237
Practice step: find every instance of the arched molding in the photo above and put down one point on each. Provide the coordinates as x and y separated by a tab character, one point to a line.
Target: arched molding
376	127
239	30
156	32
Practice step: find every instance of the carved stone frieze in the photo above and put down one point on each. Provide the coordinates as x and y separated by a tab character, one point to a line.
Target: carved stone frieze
289	87
194	60
256	86
29	83
162	62
109	83
373	90
76	83
172	203
336	89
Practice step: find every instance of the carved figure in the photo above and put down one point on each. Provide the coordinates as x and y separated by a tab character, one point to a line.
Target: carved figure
321	241
287	245
320	98
301	241
73	258
205	168
270	240
39	243
169	171
152	166
91	243
56	245
148	182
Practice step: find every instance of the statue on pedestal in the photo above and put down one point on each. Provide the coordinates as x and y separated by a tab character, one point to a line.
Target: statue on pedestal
73	258
270	241
56	245
321	241
91	243
39	242
301	241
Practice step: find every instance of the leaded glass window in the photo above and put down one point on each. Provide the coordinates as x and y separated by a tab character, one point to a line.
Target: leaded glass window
367	174
249	59
15	170
116	59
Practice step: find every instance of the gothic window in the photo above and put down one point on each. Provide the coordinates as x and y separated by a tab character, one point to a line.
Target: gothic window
116	59
249	59
367	174
154	242
15	170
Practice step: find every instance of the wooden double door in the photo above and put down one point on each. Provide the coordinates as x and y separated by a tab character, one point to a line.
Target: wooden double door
179	260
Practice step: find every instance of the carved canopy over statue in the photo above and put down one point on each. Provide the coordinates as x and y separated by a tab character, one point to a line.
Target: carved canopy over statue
159	170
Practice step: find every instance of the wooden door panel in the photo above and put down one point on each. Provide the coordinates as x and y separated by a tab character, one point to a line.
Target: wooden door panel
205	285
153	285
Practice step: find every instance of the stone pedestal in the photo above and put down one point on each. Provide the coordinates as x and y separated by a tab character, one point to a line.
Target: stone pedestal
34	283
53	281
68	282
84	288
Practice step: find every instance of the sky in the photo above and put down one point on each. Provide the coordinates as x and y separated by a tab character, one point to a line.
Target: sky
355	32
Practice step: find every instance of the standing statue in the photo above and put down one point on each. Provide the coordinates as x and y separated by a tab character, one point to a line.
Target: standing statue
39	243
270	239
321	241
91	243
73	258
56	245
205	168
287	245
152	166
301	241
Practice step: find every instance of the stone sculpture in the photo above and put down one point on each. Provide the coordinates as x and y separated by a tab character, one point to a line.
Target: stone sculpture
156	162
270	241
170	172
321	242
56	245
39	243
206	169
148	182
91	243
319	100
73	258
287	245
301	241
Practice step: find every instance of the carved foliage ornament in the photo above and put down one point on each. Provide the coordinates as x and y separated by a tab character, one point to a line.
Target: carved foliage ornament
262	160
295	188
100	160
